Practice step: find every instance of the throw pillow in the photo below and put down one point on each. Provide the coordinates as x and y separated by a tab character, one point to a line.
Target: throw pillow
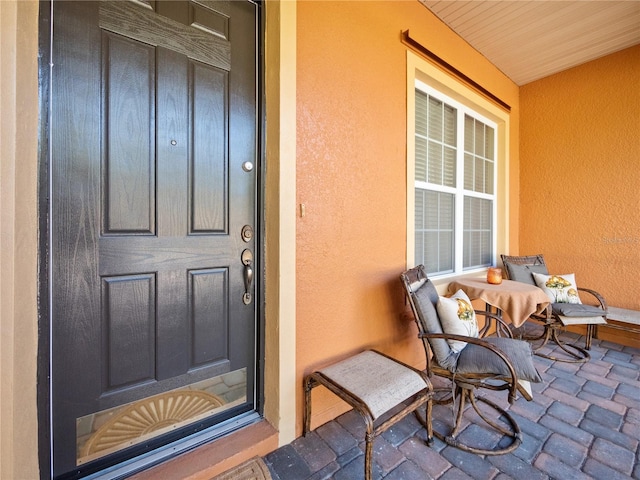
457	318
559	288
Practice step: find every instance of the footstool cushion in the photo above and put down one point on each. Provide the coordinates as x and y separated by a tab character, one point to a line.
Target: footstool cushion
378	381
373	384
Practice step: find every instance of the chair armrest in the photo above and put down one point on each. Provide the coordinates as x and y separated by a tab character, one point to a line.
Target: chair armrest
501	326
600	298
513	384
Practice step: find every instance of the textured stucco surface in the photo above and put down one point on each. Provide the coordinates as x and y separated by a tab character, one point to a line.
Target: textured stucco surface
351	176
580	174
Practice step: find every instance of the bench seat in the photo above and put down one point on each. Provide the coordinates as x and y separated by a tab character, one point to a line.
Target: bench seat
628	320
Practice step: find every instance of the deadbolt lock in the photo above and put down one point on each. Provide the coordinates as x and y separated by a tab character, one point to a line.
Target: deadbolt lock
247	233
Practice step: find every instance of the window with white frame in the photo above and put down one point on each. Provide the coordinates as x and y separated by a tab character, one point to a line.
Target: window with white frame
455	177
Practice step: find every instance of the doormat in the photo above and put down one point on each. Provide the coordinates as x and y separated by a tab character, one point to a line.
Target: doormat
254	469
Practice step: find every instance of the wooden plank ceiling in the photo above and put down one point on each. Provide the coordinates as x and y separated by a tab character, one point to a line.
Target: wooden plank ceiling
529	40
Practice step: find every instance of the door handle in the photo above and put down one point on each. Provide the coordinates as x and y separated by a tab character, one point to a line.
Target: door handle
247	260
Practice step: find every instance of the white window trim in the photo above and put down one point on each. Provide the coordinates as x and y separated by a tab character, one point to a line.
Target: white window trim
459	190
419	69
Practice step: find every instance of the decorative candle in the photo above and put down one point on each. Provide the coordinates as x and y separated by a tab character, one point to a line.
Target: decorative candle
494	275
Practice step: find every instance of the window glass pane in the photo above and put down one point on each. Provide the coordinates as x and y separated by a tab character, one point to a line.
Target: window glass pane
421	159
446	209
421	113
478	175
468	134
431	260
449	173
431	214
445	254
450	136
435	119
419	225
419	247
419	210
479	143
477	235
489	143
437	164
488	177
434	230
468	171
434	174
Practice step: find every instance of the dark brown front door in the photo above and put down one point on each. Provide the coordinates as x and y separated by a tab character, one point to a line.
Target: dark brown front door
153	206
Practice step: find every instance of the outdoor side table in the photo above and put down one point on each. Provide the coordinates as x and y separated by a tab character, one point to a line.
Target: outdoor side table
373	384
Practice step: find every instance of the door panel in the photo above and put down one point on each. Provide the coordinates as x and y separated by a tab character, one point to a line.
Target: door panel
209	340
209	162
153	115
129	131
129	330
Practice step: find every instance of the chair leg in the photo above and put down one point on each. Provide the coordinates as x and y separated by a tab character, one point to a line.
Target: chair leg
544	336
429	418
306	421
575	353
550	334
512	430
367	455
463	393
426	420
592	331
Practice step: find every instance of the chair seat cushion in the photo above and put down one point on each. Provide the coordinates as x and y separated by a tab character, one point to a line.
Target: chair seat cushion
476	359
578	314
576	310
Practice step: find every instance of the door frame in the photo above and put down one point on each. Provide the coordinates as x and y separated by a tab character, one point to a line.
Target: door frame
44	383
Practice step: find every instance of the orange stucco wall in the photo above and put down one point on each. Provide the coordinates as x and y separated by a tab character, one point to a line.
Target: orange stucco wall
351	176
580	174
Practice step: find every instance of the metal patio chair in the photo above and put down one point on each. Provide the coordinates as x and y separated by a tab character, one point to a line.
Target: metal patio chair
493	363
558	314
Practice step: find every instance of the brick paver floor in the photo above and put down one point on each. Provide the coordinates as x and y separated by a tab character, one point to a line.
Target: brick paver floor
584	422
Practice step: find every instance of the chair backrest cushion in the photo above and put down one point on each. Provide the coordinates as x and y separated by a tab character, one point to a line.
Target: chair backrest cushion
524	272
425	298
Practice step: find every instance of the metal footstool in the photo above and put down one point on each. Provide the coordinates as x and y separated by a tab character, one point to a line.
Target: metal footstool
373	384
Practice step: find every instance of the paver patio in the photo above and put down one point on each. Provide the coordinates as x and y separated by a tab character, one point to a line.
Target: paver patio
584	422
